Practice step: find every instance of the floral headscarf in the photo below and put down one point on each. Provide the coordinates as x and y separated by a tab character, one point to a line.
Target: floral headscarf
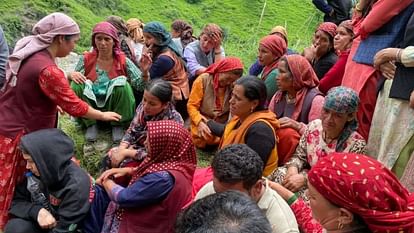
225	65
365	187
328	27
343	100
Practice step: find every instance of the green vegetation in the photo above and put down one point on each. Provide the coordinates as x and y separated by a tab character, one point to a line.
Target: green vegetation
244	23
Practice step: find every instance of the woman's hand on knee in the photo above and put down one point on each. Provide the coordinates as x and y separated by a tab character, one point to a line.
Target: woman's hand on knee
46	219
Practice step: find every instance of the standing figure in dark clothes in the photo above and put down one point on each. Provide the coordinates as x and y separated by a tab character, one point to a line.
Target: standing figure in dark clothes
335	11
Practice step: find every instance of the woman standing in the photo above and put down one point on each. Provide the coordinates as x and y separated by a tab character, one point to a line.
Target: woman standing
34	88
209	99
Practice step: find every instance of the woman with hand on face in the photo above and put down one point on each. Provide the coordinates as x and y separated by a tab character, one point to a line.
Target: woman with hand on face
158	188
209	99
35	87
207	50
342	44
298	101
352	193
164	60
271	49
102	78
155	106
334	132
322	53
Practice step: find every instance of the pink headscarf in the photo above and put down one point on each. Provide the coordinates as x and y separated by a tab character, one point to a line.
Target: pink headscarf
107	29
43	33
329	28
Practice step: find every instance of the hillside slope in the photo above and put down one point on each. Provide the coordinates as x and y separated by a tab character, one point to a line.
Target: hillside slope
242	20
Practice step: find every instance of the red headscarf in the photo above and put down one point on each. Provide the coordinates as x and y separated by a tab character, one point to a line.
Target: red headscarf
170	148
225	65
304	78
277	45
366	188
329	28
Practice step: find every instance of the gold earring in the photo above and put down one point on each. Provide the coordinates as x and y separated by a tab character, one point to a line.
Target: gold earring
340	226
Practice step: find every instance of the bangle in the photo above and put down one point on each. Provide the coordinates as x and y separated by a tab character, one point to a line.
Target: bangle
398	56
292	199
358	7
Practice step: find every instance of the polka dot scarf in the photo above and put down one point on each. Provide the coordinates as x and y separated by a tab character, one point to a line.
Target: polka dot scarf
170	148
365	187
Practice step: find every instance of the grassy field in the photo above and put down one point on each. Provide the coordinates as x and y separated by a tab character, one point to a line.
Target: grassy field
244	23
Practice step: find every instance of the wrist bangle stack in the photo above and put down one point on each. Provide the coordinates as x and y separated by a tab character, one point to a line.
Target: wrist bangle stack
398	56
292	199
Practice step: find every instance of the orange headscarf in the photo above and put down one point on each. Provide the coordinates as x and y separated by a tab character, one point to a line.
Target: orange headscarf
277	45
225	65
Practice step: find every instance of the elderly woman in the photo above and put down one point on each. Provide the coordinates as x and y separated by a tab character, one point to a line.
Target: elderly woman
158	189
135	27
182	33
342	44
101	78
164	61
271	49
34	88
209	99
352	193
207	50
334	132
156	106
322	54
298	101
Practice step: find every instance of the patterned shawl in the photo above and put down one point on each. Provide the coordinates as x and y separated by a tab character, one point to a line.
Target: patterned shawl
366	188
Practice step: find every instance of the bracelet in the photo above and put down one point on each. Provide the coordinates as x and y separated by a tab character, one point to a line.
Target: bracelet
398	56
292	199
358	7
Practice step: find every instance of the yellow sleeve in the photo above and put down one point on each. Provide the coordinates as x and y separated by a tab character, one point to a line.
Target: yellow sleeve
194	102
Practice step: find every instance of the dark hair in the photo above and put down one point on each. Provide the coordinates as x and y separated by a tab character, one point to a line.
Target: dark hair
238	163
254	89
238	72
226	212
161	89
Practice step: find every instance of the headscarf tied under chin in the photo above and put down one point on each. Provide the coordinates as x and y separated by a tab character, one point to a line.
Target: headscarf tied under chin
225	65
135	27
162	36
304	79
278	47
365	187
343	100
109	30
44	32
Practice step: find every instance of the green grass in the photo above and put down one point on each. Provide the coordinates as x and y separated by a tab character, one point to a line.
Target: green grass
244	23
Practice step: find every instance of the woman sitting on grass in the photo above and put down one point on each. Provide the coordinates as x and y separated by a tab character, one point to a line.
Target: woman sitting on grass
155	106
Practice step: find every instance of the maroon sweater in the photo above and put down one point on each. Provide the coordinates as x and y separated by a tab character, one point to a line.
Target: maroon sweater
25	107
159	218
